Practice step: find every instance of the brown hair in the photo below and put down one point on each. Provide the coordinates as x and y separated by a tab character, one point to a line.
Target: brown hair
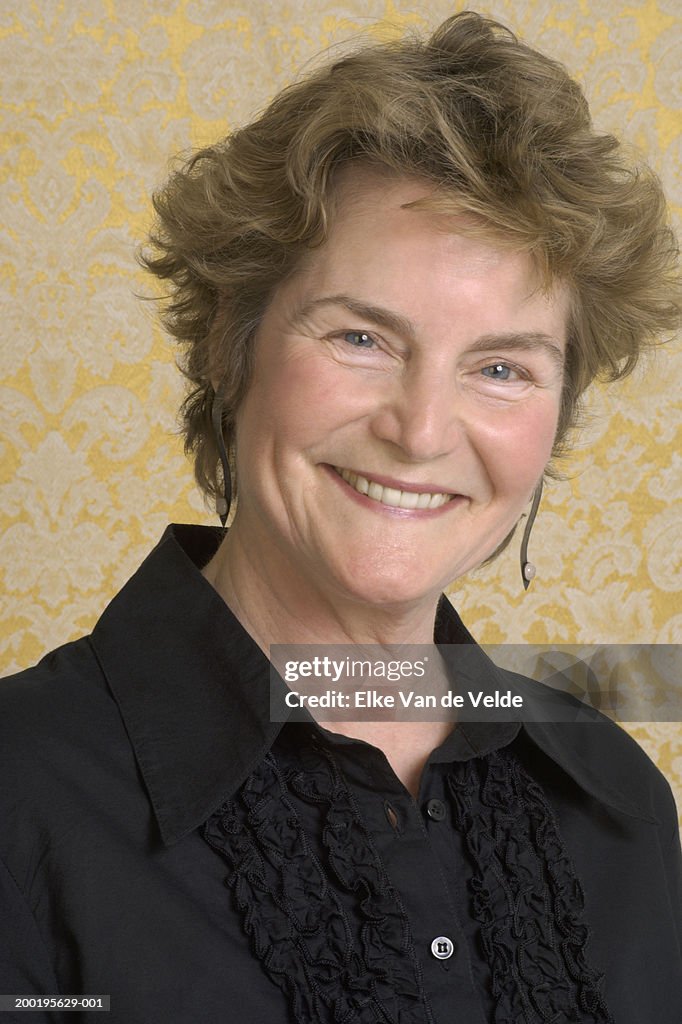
501	129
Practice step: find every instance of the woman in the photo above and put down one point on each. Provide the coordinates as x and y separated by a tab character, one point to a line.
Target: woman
393	289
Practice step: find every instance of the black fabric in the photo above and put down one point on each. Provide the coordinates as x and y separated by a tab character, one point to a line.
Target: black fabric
163	842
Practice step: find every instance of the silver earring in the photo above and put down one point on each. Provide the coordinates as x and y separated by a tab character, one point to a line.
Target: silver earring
528	570
224	500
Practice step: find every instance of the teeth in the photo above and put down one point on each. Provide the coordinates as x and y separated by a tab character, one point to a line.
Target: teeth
410	499
390	495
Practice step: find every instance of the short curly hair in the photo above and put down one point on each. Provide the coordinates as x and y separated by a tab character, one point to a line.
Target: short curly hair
502	131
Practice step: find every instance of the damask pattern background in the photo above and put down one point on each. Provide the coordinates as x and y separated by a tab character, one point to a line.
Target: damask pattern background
95	96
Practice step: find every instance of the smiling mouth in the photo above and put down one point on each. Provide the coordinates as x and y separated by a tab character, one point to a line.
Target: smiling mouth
390	495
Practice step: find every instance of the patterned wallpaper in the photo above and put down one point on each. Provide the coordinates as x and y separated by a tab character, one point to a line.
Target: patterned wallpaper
95	96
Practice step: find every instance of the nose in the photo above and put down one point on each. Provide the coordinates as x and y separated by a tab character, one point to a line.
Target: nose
422	415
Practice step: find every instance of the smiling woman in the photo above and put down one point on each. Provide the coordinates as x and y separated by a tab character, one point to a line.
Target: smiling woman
392	290
410	410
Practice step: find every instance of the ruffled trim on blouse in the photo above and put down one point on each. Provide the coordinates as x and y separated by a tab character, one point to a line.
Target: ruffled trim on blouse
525	895
295	919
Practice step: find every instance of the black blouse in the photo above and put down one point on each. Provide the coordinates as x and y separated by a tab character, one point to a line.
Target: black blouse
163	842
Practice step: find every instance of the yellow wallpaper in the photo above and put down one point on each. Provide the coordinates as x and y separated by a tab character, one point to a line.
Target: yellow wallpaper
95	96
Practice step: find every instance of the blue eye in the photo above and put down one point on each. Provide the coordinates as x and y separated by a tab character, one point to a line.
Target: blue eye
499	371
359	339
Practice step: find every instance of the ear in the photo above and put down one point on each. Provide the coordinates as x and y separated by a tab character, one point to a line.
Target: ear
216	348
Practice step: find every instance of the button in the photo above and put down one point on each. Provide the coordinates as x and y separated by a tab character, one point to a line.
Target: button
442	947
435	809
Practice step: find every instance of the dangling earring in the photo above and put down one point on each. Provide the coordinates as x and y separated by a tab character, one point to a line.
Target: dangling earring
527	568
224	500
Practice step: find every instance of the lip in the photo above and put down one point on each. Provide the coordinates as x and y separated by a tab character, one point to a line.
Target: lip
402	513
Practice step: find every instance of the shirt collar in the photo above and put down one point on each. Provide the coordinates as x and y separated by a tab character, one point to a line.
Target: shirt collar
190	683
193	690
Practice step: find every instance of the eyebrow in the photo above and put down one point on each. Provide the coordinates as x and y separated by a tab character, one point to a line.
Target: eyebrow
377	314
528	341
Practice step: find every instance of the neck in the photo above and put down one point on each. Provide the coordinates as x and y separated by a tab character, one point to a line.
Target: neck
278	603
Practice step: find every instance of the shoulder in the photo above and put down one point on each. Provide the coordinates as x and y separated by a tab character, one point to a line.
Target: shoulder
597	753
60	735
62	693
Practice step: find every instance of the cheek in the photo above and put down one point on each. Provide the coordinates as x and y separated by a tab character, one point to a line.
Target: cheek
290	403
517	451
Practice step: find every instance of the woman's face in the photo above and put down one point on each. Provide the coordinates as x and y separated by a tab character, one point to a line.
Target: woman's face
404	401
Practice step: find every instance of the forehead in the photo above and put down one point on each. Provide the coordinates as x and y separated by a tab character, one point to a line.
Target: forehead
419	259
366	194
